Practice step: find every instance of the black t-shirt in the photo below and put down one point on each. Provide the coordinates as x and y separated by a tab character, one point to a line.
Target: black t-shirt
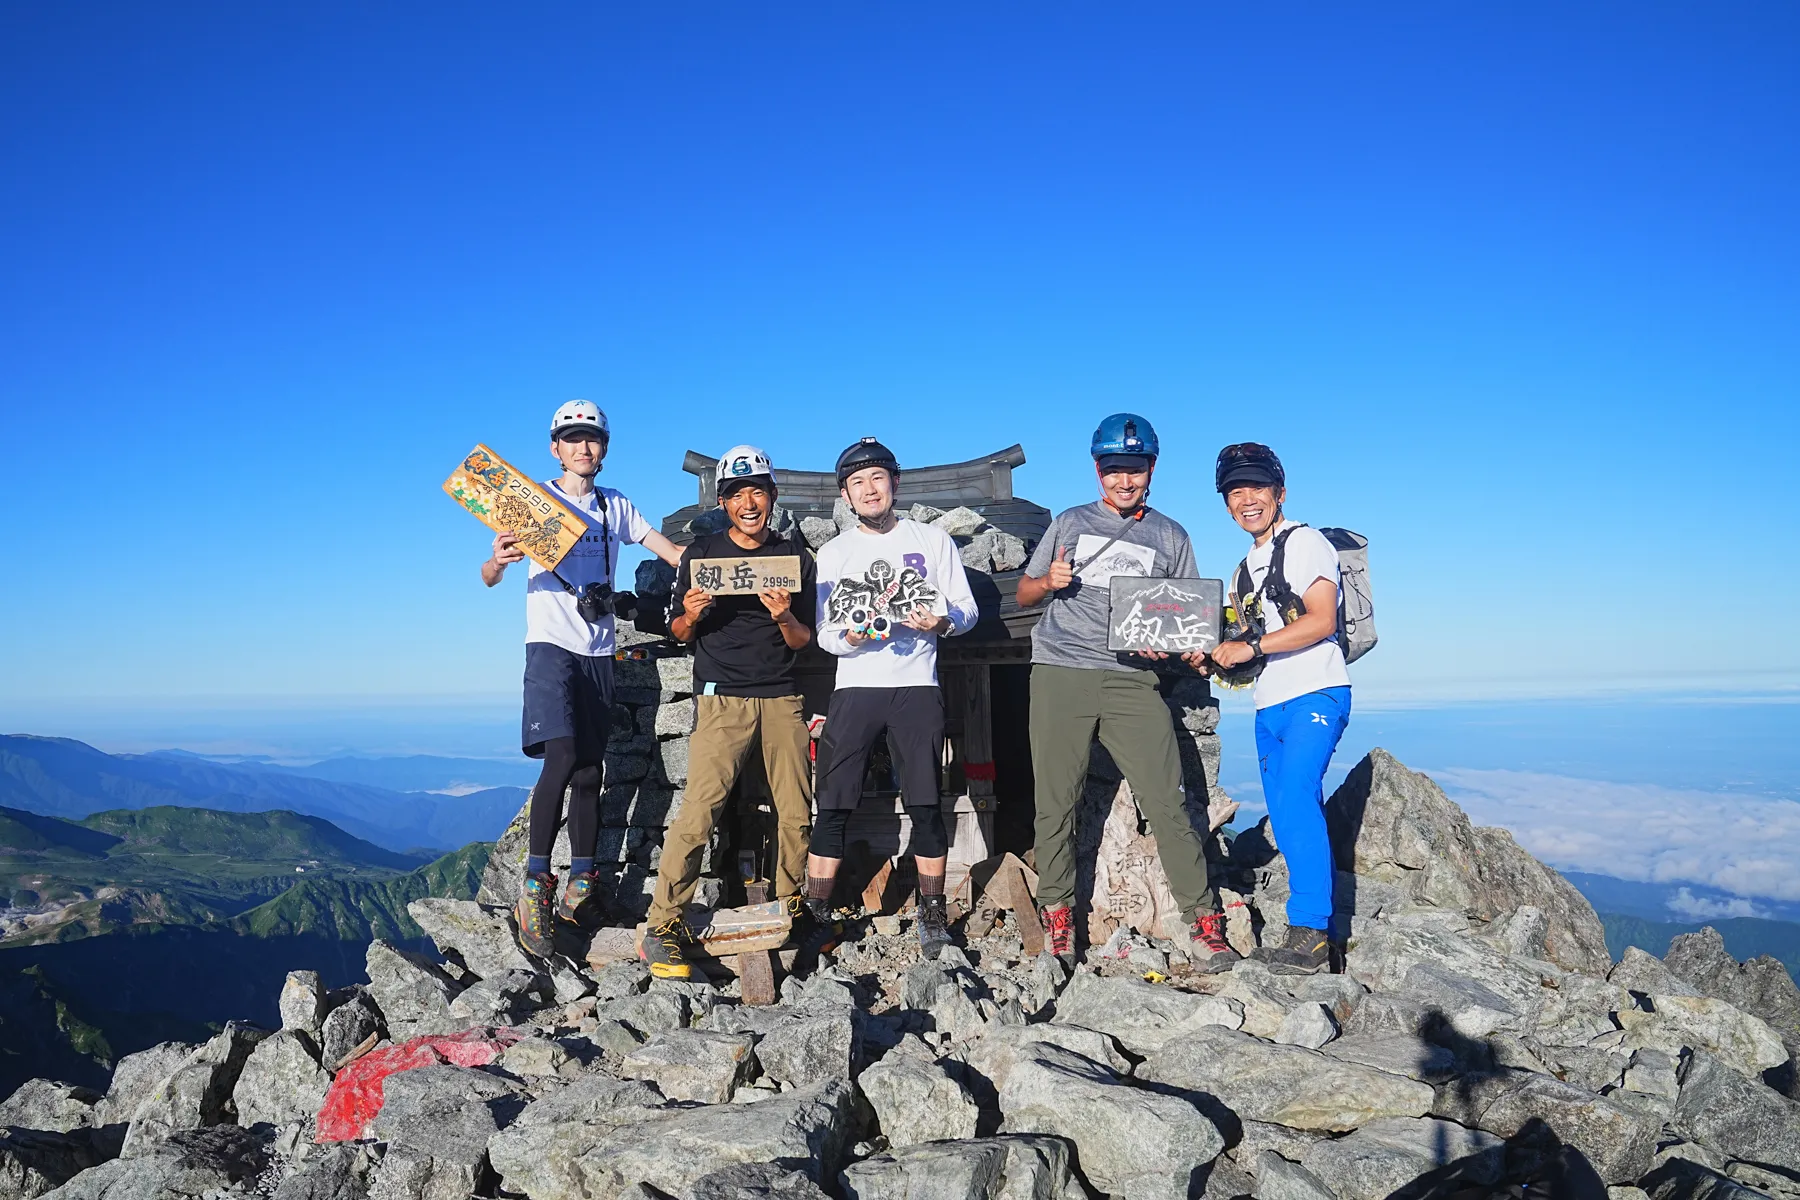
738	647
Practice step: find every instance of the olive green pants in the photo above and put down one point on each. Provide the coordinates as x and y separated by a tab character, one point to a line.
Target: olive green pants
1068	706
726	729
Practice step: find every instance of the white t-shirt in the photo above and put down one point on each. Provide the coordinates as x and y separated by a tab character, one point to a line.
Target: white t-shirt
910	563
550	612
1308	559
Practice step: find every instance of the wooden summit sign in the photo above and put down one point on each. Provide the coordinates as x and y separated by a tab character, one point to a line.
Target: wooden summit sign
748	575
507	499
1174	616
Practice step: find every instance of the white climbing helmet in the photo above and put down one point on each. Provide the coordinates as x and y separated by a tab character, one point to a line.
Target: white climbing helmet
742	462
579	414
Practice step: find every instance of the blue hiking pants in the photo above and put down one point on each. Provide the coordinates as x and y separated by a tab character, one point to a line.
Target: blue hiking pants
1295	741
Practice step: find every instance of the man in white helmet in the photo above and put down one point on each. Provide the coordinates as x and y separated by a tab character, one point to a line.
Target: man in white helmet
748	694
568	668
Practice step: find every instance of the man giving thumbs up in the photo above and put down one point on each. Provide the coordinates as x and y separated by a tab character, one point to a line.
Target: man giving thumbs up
1080	688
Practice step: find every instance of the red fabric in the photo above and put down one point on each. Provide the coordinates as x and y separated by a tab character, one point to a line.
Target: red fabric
975	770
356	1094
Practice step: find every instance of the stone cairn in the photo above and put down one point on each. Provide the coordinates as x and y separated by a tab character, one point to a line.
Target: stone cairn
1479	1043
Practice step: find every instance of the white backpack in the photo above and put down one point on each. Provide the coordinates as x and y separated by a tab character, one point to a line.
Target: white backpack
1356	600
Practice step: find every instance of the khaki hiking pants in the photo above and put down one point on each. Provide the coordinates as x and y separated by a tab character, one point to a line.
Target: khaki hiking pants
1068	706
725	729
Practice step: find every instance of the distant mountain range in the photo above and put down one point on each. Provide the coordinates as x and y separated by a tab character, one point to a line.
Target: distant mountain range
61	777
399	773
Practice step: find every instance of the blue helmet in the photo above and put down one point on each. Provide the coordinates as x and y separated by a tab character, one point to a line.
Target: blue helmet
1124	433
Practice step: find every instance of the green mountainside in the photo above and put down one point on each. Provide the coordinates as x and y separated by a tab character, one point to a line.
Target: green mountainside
362	910
1745	937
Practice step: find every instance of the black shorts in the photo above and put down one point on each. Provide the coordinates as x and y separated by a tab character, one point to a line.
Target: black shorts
566	695
912	717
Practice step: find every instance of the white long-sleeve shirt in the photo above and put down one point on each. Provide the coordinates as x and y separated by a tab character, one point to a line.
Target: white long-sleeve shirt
910	564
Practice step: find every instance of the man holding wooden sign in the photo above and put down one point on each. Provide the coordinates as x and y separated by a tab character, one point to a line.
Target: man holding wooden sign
747	604
568	666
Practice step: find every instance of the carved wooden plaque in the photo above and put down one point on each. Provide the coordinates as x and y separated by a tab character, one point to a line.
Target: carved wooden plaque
748	575
504	498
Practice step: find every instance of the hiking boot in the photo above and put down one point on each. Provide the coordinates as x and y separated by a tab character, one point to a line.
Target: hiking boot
1207	940
579	905
1059	932
662	948
934	926
536	915
1305	951
816	931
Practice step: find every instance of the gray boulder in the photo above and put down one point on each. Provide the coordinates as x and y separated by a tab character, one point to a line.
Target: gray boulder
817	531
336	1171
1002	1047
1397	1054
1683	1179
755	1181
924	514
917	1100
997	1168
1309	1025
1474	986
1140	1014
437	1122
1283	1085
1703	1023
504	999
1396	825
188	1163
539	1153
197	1094
1279	1179
1383	1157
1761	986
281	1081
820	1042
1721	1108
1617	1140
1127	1140
34	1161
346	1027
412	992
1642	972
692	1064
302	1002
50	1107
650	1013
960	522
136	1077
480	939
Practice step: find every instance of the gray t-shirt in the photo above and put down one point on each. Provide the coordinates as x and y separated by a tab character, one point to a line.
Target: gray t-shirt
1072	631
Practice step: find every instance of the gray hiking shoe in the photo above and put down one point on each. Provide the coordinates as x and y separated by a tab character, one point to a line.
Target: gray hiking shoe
1207	938
1305	951
934	926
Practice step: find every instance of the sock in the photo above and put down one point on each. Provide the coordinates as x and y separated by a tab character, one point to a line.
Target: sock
537	864
819	889
931	885
581	866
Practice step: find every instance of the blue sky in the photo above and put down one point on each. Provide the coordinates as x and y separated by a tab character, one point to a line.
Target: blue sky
1513	289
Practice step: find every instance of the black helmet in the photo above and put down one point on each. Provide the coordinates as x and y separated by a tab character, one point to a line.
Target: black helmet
866	453
1249	463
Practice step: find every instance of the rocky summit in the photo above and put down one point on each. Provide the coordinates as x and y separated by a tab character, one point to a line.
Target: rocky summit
1478	1042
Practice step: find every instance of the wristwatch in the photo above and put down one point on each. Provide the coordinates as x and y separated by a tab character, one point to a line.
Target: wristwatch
1254	641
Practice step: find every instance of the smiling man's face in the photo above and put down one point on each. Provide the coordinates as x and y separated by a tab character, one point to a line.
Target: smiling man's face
748	506
1255	509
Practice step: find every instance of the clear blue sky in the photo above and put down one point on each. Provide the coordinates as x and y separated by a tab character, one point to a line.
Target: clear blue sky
1513	289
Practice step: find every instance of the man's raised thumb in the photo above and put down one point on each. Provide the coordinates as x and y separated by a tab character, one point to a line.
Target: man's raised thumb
1062	554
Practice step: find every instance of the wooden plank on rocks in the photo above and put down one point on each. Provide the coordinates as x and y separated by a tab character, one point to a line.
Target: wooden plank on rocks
722	933
756	968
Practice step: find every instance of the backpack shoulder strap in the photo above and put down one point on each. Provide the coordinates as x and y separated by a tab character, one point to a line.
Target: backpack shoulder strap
1275	585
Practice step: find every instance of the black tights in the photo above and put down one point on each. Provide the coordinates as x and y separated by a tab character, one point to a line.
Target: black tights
563	769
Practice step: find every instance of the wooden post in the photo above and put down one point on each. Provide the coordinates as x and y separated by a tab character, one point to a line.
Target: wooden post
756	968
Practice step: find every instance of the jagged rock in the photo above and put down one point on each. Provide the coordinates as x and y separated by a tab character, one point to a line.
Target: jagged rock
817	531
51	1107
1639	971
1381	1014
1523	932
281	1081
136	1077
820	1042
346	1027
34	1161
755	1181
413	993
1775	1183
478	938
842	515
1003	1046
1761	986
1285	1085
1254	1137
1474	986
924	514
1279	1179
334	1172
1719	1107
960	522
1010	553
302	1002
534	1057
1391	824
503	999
1127	1140
1397	1054
942	989
1308	1025
1652	1073
1266	1003
1681	1179
616	980
997	1168
1142	1015
670	1149
649	1014
1618	1141
188	1163
917	1101
978	552
357	1091
197	1094
1385	1156
437	1122
692	1064
538	1153
1703	1023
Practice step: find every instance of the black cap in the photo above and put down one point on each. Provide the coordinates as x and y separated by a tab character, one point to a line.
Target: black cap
1248	464
867	452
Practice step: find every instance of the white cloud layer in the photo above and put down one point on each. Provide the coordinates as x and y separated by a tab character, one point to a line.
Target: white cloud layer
1746	845
1702	908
